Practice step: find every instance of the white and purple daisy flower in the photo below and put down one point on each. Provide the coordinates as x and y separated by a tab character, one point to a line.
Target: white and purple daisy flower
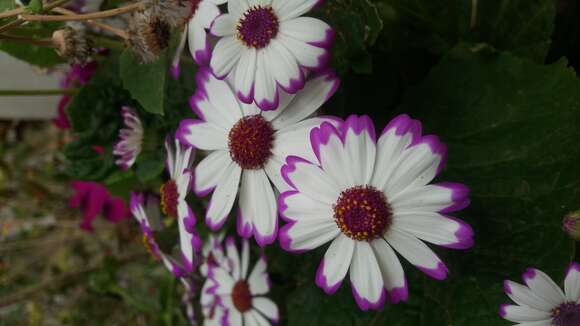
131	139
248	147
203	13
371	199
266	45
241	292
173	193
541	302
212	253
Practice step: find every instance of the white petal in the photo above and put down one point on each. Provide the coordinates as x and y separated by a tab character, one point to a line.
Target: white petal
234	316
258	281
391	270
307	55
310	180
203	135
523	314
333	267
295	206
286	71
543	286
222	98
417	253
360	148
365	277
435	228
289	9
572	283
272	168
223	197
223	25
306	29
315	93
237	7
234	257
265	89
257	200
307	234
295	139
418	165
443	197
211	170
267	307
328	146
197	40
547	322
523	296
224	281
225	56
206	13
244	76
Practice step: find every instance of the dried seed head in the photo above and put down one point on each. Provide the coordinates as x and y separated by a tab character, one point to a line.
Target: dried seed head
72	44
148	35
174	12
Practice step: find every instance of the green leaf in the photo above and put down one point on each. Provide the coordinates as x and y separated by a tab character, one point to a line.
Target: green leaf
512	129
7	5
35	6
42	56
145	82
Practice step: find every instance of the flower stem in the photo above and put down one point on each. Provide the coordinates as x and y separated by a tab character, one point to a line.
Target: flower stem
11	13
94	15
122	34
473	14
20	39
37	92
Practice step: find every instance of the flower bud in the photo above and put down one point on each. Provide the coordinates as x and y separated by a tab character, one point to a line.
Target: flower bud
148	36
571	225
72	44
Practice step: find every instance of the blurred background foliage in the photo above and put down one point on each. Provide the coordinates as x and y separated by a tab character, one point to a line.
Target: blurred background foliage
496	80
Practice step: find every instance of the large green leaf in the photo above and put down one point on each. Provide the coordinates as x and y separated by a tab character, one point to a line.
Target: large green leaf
42	56
145	82
512	130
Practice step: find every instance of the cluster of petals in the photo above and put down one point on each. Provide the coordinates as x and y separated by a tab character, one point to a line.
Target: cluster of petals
238	293
247	149
179	161
130	139
371	198
541	302
93	199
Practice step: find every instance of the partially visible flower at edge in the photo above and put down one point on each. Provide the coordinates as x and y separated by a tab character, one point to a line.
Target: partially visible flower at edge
94	199
130	139
541	302
571	225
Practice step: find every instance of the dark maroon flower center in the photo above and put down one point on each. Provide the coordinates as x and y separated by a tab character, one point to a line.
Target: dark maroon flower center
241	296
258	26
250	142
362	213
169	197
566	314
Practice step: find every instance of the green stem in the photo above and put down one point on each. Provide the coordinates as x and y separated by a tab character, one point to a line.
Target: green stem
573	255
37	92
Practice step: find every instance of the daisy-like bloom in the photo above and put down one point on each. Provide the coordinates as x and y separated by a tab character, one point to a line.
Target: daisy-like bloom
541	302
369	199
266	45
243	292
248	147
78	75
173	193
131	139
202	13
94	199
213	254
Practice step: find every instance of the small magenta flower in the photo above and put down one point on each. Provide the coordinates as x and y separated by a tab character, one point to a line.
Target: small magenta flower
78	75
541	302
243	292
371	198
571	225
247	147
266	46
94	199
131	139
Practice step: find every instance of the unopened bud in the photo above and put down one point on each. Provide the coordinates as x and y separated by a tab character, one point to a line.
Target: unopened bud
72	44
571	225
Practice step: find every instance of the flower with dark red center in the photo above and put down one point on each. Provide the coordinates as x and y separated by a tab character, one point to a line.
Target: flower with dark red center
257	27
250	142
242	291
371	197
541	301
362	213
241	296
169	198
267	48
247	148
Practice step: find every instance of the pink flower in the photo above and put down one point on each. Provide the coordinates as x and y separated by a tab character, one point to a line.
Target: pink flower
94	199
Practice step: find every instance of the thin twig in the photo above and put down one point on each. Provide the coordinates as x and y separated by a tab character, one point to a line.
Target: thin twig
21	21
11	13
79	17
122	34
20	39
